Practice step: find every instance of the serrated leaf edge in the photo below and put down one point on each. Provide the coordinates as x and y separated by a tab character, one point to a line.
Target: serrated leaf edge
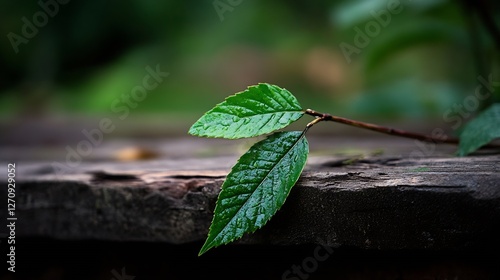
208	245
302	112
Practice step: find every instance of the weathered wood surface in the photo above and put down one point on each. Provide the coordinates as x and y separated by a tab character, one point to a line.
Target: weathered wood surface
387	202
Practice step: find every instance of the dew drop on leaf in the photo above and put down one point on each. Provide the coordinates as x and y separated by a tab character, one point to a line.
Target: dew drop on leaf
257	187
259	110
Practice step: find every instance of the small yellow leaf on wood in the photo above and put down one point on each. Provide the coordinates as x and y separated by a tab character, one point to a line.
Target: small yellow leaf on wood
135	153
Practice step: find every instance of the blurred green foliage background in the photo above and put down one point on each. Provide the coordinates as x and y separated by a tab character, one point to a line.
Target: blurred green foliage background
418	62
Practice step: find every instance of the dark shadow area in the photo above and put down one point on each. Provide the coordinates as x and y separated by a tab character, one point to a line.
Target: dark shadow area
49	259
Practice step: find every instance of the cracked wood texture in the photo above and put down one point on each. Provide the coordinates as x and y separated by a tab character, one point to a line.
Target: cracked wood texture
387	201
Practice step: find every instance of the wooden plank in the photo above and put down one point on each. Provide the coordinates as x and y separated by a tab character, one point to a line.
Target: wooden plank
378	202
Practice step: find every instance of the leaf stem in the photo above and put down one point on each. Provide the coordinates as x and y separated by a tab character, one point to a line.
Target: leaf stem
391	131
315	121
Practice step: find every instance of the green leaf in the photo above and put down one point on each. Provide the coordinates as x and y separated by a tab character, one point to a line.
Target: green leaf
257	186
480	131
258	110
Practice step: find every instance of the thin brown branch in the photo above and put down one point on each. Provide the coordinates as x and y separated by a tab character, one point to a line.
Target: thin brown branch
391	131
